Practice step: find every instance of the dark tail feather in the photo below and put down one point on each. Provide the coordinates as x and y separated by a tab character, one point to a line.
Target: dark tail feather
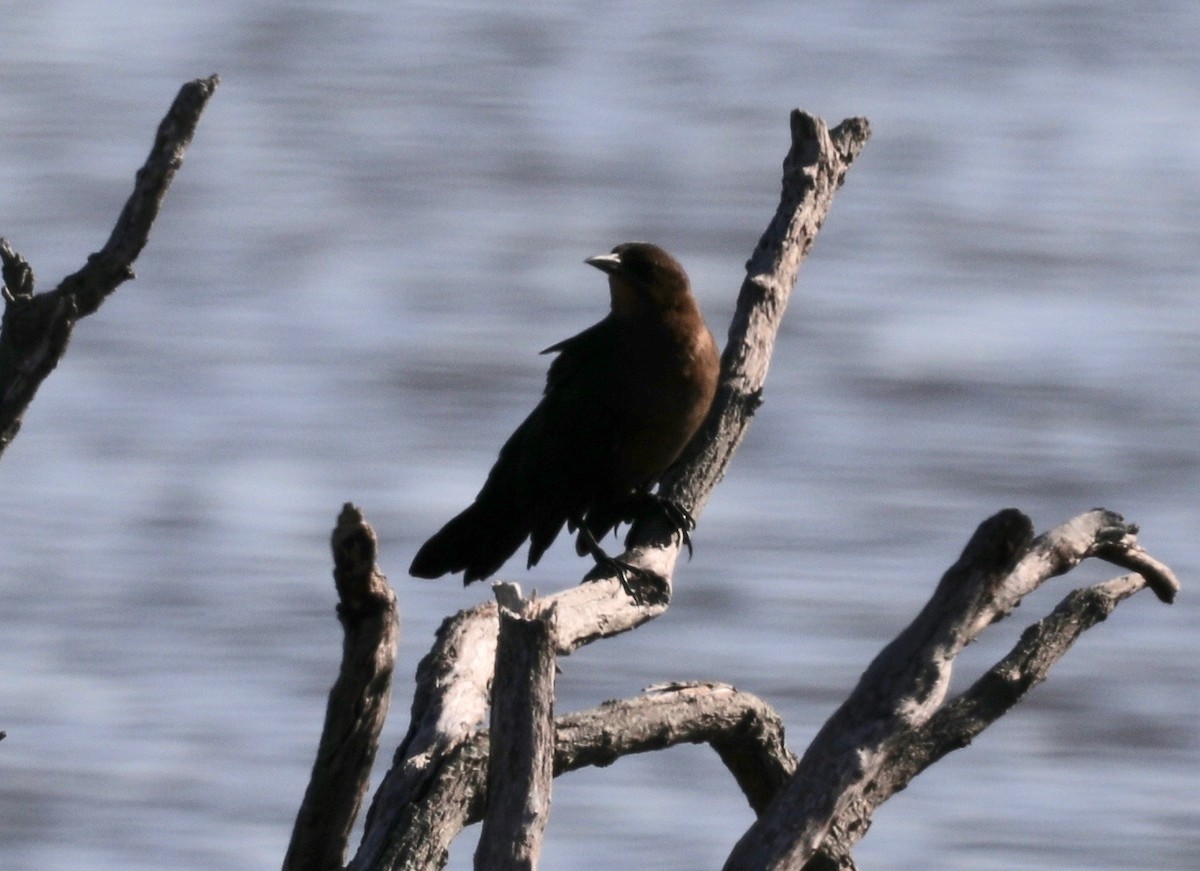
476	542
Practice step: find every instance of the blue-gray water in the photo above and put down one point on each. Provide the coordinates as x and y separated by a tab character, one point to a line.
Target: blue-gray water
382	218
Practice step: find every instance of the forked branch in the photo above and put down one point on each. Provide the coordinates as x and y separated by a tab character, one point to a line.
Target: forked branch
36	327
453	679
894	723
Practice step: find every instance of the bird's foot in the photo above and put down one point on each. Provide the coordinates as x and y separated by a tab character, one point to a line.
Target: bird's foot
675	514
643	586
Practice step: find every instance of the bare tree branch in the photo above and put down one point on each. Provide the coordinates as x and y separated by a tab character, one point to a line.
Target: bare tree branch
36	328
813	170
451	702
745	731
892	726
960	720
358	702
521	759
850	766
453	679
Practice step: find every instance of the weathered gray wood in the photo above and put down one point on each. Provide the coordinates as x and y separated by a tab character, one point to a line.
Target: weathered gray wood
452	680
745	732
842	776
891	727
521	760
813	170
358	702
960	720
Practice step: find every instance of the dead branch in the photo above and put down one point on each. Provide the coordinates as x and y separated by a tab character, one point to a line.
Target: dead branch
957	722
521	759
894	725
745	732
36	328
358	702
453	679
813	170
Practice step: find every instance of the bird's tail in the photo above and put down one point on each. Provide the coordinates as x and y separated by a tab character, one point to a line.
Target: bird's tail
476	542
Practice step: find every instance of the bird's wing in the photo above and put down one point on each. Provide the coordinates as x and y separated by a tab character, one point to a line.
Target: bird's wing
580	353
561	453
551	470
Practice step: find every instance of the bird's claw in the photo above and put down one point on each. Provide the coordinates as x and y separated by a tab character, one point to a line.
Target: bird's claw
676	515
641	585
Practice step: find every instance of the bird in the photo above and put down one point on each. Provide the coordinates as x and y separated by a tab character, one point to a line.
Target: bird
621	402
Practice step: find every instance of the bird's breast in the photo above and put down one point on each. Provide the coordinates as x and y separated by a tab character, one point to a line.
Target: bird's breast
665	378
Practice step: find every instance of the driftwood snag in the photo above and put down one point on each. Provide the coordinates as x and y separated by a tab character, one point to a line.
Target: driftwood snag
894	724
521	735
811	810
358	702
36	327
451	698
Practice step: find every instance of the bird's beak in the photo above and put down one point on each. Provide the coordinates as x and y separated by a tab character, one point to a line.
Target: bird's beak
607	263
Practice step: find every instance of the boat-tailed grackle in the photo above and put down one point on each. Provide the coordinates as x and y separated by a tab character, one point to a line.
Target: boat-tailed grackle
622	400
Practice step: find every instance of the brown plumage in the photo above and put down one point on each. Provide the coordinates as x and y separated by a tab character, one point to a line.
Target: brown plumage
622	400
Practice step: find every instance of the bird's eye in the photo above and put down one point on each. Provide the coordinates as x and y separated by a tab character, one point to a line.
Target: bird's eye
641	268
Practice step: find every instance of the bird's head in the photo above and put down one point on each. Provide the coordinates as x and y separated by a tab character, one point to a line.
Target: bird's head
641	276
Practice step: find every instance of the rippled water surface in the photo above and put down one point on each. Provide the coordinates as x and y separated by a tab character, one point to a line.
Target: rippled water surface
383	218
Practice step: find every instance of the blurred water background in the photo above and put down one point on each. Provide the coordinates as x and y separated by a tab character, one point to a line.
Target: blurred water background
383	218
